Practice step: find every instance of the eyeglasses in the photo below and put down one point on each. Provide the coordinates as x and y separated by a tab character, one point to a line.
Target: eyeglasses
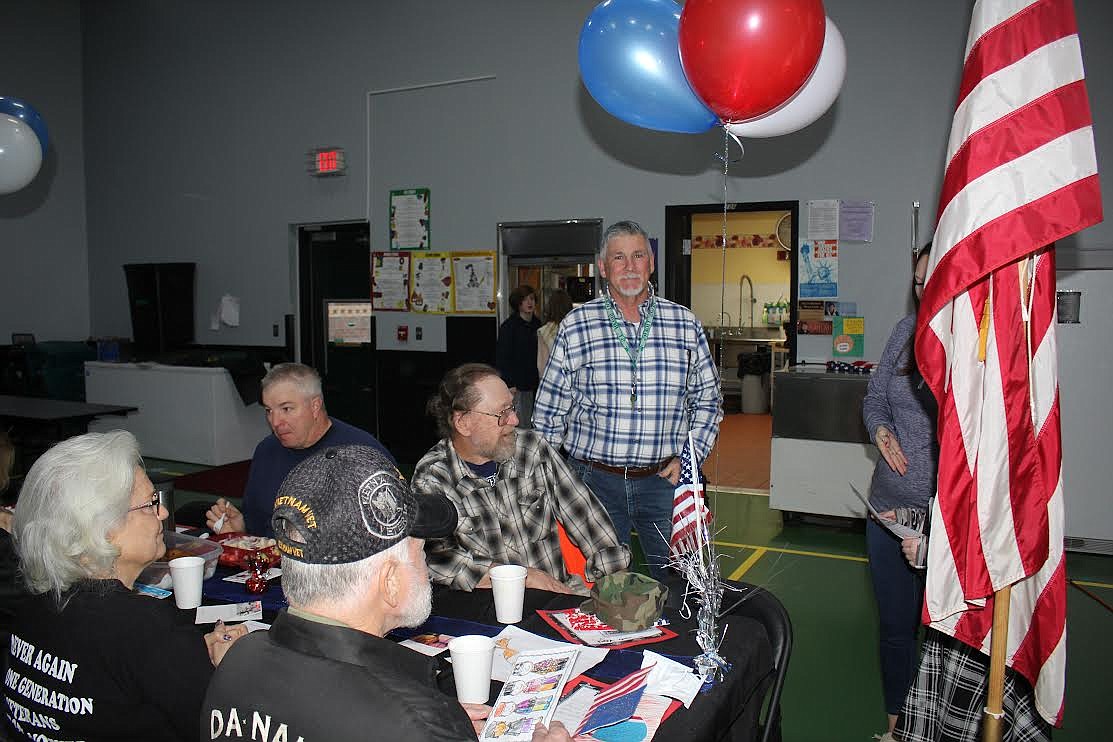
504	415
153	505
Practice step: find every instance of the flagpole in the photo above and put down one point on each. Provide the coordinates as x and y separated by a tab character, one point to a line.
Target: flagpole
998	648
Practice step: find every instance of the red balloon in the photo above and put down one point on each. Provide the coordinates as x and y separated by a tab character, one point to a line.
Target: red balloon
746	57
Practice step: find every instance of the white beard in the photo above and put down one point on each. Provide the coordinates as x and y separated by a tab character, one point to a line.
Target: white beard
420	605
632	292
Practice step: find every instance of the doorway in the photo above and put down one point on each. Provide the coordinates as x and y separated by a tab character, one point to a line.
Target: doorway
741	286
334	265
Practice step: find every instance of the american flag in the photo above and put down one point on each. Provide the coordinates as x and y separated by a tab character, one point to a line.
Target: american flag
688	506
615	703
1021	173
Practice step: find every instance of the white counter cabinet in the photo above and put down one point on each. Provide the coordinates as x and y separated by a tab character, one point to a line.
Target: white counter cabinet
185	413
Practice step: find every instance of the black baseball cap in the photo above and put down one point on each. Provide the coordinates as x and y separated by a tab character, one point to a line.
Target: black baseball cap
347	503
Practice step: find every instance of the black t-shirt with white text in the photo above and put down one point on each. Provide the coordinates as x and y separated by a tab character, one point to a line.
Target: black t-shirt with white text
109	665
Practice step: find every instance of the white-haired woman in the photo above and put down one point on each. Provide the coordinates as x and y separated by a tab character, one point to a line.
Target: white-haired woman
89	658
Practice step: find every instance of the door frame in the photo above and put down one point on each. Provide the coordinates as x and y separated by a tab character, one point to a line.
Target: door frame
296	232
678	265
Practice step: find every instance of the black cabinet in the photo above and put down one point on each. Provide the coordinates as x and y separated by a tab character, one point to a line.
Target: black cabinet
160	296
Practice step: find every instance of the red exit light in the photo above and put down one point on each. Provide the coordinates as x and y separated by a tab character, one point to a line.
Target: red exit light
328	161
325	161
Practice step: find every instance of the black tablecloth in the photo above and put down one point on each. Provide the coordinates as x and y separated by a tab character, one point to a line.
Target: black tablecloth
727	711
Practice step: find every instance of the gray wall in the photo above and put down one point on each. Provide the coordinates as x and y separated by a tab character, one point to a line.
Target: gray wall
198	116
44	281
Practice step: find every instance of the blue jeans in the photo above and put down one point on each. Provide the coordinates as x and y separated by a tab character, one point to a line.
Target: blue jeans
899	590
646	502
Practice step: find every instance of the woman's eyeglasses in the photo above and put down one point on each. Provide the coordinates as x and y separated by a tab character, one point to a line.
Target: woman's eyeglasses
503	415
153	505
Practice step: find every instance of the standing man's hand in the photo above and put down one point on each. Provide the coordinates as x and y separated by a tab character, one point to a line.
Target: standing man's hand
890	449
671	472
233	518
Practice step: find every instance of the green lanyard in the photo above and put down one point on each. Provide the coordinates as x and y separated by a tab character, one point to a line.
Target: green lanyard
643	335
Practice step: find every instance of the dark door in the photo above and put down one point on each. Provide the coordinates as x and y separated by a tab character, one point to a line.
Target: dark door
334	263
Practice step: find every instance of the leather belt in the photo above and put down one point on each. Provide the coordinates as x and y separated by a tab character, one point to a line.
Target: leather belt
631	472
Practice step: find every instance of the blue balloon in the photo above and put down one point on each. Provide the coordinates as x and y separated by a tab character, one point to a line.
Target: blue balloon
630	63
23	111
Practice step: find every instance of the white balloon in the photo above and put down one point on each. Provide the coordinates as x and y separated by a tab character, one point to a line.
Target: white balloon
813	98
20	154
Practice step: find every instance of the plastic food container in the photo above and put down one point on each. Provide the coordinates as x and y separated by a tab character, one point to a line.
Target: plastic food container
179	544
233	556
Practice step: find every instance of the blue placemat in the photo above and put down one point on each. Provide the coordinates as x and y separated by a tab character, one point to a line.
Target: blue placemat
216	588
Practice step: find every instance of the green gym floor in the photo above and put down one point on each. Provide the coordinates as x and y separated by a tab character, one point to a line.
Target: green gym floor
833	688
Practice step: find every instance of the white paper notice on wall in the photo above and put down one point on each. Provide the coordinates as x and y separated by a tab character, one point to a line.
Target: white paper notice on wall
214	320
856	221
823	219
230	310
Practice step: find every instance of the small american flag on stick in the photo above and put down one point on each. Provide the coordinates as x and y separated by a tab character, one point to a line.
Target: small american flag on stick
690	517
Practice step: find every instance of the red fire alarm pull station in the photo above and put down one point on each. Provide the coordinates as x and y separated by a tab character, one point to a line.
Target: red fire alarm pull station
403	333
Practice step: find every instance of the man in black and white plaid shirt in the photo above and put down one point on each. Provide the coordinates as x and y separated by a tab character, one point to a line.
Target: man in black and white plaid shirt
510	488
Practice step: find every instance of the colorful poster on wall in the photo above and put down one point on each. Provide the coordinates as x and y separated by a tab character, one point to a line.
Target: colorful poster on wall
819	269
474	282
431	282
848	337
813	327
390	281
409	219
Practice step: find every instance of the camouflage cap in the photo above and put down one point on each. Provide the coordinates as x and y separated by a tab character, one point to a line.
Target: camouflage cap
627	601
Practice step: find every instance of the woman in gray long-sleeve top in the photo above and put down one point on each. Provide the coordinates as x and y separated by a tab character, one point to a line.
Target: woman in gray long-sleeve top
899	413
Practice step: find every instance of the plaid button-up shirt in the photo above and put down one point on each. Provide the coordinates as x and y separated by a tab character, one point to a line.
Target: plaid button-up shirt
514	520
583	403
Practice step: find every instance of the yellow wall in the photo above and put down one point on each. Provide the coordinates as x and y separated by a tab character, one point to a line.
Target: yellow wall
759	262
717	297
751	222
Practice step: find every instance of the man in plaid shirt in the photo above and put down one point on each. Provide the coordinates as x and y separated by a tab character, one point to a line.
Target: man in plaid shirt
629	374
510	489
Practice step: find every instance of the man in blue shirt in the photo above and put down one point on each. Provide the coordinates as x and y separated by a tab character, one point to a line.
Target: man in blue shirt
300	427
630	374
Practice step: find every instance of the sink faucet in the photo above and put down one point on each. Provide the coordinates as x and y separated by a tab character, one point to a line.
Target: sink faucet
725	315
753	301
